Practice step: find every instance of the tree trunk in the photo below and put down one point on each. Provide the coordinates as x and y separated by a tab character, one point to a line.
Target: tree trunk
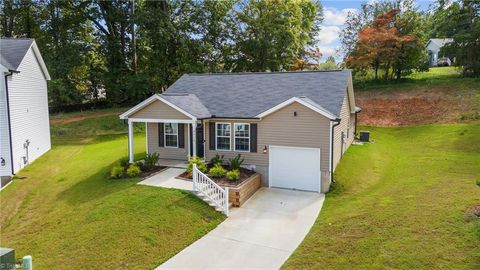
133	41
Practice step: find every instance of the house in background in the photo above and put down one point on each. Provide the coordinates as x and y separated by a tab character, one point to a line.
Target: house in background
433	49
291	127
24	122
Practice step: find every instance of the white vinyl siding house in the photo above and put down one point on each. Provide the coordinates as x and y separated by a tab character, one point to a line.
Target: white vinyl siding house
27	108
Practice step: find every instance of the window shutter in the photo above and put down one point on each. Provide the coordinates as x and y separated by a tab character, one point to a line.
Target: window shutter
253	138
211	135
161	142
181	135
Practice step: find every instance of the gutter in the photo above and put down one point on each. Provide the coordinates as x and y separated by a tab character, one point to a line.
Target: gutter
8	117
337	122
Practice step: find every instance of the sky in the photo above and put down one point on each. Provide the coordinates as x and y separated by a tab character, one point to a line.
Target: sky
335	13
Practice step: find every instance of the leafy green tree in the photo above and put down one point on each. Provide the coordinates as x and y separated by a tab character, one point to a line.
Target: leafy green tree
460	21
274	32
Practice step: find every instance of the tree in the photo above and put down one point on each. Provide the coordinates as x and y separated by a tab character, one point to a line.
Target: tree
273	33
356	21
382	46
460	21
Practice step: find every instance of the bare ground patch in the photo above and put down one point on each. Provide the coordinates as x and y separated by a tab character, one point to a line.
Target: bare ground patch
410	107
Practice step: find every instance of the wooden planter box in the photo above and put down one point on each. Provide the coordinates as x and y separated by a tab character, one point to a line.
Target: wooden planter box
240	194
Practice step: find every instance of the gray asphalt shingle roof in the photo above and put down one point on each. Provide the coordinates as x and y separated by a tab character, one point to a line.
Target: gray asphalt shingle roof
245	95
13	50
189	103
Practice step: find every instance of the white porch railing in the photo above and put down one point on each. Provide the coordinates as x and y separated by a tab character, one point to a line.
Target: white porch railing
203	185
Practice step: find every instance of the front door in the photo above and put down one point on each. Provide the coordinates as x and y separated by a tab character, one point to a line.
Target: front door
200	141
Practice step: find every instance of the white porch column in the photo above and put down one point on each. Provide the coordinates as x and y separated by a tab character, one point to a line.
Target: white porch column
194	137
188	142
130	141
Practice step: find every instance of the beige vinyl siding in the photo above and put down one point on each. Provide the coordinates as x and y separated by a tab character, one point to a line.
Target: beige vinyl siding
307	129
159	110
165	152
347	124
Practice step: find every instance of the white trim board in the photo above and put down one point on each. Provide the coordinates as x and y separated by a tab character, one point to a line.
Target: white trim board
301	101
150	100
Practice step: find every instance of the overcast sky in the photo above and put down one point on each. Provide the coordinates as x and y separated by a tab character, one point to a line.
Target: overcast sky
335	13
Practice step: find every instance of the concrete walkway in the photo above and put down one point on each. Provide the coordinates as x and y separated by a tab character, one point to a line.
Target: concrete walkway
262	234
167	179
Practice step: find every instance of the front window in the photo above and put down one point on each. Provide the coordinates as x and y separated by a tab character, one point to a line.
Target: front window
223	136
242	137
171	134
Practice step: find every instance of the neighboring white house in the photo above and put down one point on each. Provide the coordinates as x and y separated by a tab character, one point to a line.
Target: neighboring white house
433	49
24	122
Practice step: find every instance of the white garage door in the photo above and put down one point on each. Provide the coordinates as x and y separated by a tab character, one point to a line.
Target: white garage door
294	168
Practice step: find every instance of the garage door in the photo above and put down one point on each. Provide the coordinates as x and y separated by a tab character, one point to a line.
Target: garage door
294	168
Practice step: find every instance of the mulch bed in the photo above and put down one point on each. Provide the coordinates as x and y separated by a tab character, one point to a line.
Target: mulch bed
153	171
244	175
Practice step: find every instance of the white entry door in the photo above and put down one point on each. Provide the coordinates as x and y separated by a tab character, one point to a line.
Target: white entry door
294	168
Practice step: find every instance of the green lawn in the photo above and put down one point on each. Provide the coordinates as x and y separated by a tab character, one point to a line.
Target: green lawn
444	77
65	212
400	202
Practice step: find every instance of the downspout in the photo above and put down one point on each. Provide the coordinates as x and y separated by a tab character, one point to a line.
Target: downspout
356	122
337	122
8	117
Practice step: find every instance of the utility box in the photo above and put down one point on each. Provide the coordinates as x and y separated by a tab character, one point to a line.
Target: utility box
364	136
7	259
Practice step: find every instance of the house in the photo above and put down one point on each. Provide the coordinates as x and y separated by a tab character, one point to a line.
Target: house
24	122
433	47
291	127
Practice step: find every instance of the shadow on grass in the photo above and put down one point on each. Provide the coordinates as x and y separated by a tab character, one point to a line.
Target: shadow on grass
96	186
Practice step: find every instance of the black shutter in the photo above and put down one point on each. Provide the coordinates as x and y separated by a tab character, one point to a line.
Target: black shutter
253	138
161	142
181	135
211	135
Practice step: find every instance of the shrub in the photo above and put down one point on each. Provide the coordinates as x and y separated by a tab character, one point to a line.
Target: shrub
217	171
478	181
141	165
236	162
133	170
233	175
124	162
117	172
217	159
151	160
199	162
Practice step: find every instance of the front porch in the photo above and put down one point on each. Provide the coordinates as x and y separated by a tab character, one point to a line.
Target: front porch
173	133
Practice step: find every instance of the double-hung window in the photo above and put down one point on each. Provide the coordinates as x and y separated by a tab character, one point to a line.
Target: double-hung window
223	136
242	137
171	134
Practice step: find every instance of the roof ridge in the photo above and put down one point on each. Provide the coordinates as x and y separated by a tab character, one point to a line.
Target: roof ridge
266	72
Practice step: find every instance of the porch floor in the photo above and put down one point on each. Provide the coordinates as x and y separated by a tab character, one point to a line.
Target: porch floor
167	179
173	163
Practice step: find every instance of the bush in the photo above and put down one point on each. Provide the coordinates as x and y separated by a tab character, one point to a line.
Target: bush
236	162
117	172
199	162
151	161
133	170
217	171
217	159
478	181
124	162
233	175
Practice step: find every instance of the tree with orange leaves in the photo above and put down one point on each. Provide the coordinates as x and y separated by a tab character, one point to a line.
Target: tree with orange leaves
381	46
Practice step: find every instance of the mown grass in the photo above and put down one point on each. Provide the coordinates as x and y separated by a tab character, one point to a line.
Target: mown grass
444	77
65	211
400	203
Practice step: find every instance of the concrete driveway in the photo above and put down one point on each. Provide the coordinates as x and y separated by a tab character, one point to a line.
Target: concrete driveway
262	234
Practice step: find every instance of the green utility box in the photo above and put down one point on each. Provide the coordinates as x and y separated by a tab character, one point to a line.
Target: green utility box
7	258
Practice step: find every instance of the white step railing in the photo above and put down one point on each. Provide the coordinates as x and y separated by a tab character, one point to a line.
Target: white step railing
203	185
